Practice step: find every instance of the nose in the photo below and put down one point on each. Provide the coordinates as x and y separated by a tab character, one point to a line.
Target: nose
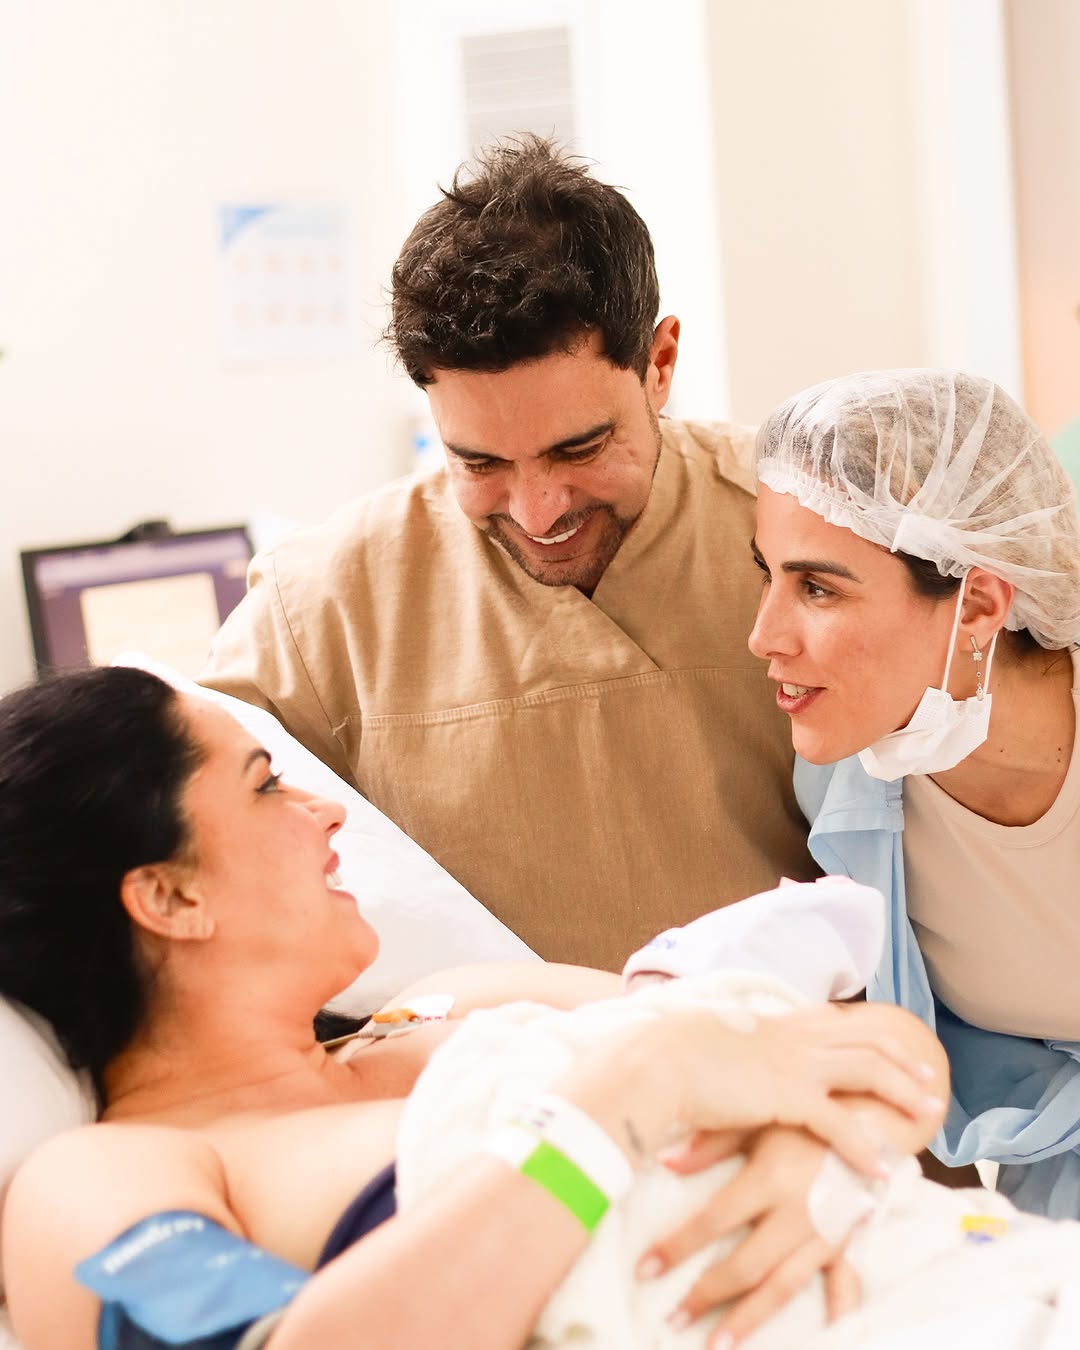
538	498
773	633
329	813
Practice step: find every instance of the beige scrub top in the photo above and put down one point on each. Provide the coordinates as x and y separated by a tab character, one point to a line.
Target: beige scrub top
592	770
995	908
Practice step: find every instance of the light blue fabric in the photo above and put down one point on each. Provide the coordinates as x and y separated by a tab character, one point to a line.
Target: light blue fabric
185	1281
1015	1101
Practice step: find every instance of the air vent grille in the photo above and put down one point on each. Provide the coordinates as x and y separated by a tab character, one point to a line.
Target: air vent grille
518	81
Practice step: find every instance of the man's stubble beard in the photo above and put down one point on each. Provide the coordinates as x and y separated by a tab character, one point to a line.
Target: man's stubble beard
584	574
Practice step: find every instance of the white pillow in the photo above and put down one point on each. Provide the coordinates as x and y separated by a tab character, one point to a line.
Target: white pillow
42	1096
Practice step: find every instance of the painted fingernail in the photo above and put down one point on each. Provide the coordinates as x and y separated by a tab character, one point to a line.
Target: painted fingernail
679	1320
670	1153
649	1267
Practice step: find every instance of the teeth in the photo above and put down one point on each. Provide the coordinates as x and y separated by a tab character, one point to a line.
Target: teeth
795	690
555	538
333	881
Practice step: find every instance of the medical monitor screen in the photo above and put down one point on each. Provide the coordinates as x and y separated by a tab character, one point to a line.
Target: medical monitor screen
164	596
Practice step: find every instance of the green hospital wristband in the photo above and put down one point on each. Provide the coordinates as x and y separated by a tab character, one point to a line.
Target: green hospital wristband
557	1145
567	1183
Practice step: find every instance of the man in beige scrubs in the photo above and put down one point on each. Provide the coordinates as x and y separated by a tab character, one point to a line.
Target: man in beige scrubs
534	660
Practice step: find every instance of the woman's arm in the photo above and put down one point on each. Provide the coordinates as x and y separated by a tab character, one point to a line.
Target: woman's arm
497	982
75	1195
391	1067
489	1249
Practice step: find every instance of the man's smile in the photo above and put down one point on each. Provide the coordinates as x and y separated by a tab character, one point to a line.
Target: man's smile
553	538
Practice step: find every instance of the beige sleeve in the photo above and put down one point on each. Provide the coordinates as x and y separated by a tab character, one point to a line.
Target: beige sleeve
736	456
255	657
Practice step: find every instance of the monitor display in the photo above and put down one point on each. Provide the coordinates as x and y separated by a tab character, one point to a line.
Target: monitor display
166	595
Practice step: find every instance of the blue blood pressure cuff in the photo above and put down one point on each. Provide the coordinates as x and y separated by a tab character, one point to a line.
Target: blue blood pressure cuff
180	1279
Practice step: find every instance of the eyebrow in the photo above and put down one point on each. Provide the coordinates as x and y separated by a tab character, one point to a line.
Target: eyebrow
820	565
570	443
254	758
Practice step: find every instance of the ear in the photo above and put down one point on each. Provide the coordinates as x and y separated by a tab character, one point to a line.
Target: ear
160	899
663	354
987	601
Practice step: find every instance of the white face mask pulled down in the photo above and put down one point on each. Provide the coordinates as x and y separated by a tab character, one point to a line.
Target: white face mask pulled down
942	731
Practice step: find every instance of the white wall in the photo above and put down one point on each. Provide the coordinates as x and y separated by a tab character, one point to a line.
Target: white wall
642	95
1045	52
863	170
962	136
127	123
785	153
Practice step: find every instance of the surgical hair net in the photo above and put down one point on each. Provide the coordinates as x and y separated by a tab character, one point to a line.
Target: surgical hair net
939	465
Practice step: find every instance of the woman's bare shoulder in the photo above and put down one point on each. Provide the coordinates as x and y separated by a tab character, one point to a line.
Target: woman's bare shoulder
115	1165
78	1192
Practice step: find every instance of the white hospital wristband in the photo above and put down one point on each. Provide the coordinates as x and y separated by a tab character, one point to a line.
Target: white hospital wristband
564	1150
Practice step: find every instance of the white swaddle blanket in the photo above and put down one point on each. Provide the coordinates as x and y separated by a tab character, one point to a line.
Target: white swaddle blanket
915	1259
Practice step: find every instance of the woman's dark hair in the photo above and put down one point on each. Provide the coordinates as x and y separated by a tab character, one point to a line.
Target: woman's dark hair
926	578
928	581
92	770
521	258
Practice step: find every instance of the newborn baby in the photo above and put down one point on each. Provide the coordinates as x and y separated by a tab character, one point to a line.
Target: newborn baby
924	1252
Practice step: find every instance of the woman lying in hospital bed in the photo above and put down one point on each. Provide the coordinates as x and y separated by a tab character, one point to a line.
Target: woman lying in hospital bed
190	897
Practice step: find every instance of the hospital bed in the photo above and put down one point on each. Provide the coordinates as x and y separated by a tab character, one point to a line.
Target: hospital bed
426	922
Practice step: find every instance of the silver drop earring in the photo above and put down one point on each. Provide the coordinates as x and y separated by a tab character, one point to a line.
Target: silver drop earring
977	657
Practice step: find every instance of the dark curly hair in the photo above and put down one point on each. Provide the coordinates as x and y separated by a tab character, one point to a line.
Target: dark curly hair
522	257
92	770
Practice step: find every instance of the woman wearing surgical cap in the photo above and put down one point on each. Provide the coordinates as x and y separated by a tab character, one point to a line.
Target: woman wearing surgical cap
920	613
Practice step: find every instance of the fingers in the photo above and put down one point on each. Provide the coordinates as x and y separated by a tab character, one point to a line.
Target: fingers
791	1276
850	1134
734	1205
843	1292
845	1026
787	1071
779	1247
904	1059
866	1071
778	1258
701	1149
